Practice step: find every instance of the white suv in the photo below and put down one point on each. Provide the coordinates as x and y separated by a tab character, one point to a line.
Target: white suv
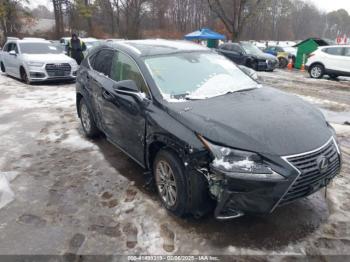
36	60
329	60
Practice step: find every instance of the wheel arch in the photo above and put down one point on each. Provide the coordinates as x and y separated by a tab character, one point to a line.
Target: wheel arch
316	63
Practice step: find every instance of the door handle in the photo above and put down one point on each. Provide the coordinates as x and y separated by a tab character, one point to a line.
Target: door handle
108	96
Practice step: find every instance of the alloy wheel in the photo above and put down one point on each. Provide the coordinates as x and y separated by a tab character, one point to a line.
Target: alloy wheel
316	72
85	117
166	183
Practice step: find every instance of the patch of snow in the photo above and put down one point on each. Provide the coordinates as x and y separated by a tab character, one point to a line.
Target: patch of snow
77	141
6	194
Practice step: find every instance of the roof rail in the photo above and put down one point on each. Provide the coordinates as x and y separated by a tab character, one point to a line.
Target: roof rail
12	38
34	38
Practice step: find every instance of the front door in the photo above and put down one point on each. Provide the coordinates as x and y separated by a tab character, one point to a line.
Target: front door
124	114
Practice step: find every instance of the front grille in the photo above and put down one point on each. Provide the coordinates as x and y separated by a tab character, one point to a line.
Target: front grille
58	70
311	178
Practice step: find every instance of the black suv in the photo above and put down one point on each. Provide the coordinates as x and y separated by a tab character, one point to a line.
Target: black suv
247	54
209	134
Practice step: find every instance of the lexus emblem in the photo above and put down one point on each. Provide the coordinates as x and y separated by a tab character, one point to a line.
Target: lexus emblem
322	163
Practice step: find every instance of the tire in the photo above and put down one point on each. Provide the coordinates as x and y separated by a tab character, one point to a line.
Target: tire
87	121
171	182
333	77
316	71
24	76
283	62
3	69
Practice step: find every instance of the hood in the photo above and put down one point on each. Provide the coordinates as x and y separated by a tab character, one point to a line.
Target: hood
263	120
265	56
48	58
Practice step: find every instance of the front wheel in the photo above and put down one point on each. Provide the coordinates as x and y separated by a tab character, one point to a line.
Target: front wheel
316	71
87	121
24	77
171	182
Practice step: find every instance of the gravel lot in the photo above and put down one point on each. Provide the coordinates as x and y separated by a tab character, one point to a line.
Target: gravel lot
73	195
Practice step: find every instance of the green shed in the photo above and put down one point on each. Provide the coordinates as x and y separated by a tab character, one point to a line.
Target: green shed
305	48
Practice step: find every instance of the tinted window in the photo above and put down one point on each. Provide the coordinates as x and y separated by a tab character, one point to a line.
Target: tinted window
235	48
6	47
347	51
102	62
124	68
223	47
334	51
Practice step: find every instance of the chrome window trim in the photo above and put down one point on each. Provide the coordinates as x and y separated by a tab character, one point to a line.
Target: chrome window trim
285	158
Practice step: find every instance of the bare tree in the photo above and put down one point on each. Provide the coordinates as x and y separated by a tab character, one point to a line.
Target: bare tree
234	13
58	12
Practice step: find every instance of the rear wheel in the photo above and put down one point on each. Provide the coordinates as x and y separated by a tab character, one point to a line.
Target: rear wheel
87	121
3	69
316	71
283	62
333	77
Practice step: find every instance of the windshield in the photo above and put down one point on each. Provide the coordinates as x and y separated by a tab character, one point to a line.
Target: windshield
197	75
39	48
251	49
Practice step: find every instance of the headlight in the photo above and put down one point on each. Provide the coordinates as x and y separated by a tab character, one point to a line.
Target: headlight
240	164
37	64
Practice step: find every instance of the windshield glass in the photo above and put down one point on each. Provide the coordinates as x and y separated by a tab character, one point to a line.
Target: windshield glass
251	49
197	75
39	48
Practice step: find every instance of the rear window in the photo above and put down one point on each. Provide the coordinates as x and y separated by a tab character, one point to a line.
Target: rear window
334	51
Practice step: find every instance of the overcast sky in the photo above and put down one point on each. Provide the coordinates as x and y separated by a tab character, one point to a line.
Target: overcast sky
325	5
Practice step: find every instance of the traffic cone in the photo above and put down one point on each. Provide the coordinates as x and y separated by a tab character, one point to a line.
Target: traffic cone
302	69
290	64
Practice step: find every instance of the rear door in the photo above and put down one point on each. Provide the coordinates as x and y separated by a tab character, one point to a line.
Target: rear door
101	88
346	60
334	58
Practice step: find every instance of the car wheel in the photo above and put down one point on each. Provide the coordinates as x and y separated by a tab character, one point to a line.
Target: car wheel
283	62
87	121
171	182
24	77
3	69
317	71
333	77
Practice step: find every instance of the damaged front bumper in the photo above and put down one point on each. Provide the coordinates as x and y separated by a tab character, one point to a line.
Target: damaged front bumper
236	197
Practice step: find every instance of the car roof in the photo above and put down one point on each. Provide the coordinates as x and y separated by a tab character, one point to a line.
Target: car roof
29	40
328	46
153	47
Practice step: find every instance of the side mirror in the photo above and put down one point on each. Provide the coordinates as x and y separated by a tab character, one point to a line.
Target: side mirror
128	87
13	52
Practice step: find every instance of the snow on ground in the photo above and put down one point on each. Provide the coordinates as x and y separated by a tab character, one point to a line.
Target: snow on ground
73	195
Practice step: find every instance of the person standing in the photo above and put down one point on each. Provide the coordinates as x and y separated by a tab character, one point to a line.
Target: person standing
76	47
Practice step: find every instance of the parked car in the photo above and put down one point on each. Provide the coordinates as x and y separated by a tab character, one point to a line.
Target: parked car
36	60
247	54
282	55
333	61
208	133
